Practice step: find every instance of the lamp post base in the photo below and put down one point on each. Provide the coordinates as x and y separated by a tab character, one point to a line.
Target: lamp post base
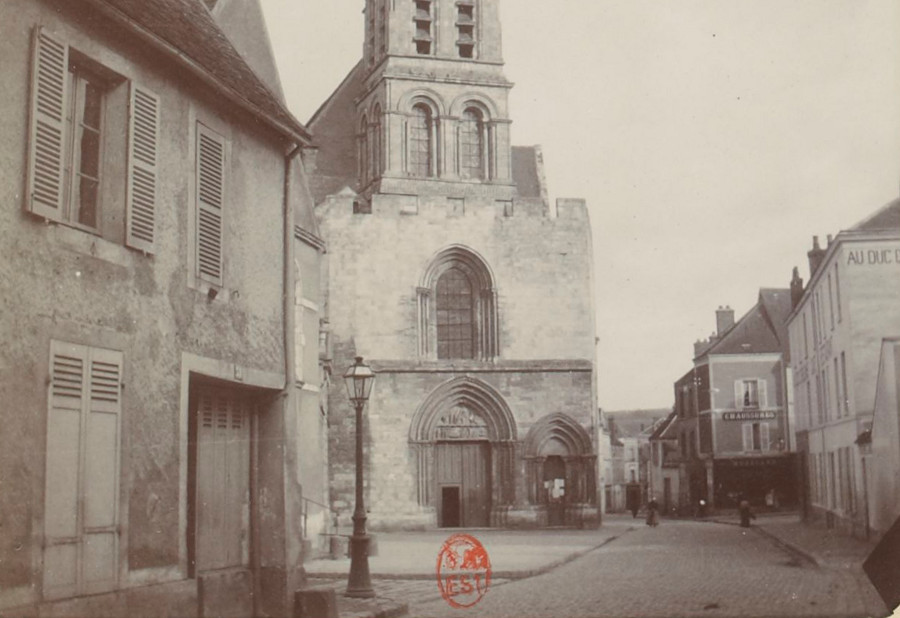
359	585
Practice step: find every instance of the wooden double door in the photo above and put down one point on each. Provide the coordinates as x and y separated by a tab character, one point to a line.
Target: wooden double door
463	478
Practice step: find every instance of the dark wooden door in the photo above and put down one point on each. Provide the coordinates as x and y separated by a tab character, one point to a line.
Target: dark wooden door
466	466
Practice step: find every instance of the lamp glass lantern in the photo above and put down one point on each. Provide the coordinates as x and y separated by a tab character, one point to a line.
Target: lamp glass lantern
359	379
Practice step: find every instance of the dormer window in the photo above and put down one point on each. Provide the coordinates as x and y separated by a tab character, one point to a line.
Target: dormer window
424	20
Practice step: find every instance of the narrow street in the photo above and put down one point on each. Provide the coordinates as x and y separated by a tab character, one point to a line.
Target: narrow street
678	569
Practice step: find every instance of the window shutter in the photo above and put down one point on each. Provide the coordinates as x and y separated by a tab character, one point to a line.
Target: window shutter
764	436
62	522
210	202
738	394
143	138
101	471
748	436
46	144
762	387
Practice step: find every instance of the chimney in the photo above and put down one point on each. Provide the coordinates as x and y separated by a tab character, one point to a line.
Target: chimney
698	348
815	256
796	288
724	319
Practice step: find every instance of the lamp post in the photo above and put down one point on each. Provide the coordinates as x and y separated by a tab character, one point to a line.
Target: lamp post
359	379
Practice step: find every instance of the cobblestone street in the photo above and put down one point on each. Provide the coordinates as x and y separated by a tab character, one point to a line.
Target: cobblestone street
678	569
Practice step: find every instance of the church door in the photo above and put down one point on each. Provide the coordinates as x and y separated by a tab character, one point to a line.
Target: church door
555	486
462	474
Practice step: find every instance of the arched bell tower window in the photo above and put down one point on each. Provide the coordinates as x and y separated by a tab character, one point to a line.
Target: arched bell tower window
377	144
421	141
472	153
458	308
363	151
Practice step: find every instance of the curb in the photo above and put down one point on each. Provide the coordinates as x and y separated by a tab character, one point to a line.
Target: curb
790	547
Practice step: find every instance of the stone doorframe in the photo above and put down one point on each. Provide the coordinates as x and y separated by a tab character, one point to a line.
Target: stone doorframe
465	409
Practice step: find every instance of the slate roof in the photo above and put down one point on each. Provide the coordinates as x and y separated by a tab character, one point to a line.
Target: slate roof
663	427
885	218
188	26
525	171
763	329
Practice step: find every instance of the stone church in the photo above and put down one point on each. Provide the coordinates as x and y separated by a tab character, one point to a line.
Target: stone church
452	274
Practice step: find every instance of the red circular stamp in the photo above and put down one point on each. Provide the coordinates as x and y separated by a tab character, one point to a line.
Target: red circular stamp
463	571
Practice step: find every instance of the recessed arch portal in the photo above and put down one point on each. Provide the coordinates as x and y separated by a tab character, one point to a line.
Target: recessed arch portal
463	436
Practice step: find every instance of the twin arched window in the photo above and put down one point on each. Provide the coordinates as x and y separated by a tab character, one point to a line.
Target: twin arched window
421	141
423	149
471	144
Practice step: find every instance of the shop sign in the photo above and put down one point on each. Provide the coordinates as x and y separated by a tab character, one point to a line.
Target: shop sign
749	415
754	462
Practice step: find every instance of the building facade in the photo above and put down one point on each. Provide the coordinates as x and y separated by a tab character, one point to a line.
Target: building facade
450	271
839	321
151	423
663	469
734	420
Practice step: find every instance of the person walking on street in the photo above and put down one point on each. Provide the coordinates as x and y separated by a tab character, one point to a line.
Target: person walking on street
746	513
652	513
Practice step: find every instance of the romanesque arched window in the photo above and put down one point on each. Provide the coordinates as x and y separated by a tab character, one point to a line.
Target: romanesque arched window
377	144
363	151
421	141
458	308
472	155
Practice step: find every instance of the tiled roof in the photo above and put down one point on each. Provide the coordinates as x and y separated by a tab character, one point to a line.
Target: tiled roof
187	26
885	218
761	330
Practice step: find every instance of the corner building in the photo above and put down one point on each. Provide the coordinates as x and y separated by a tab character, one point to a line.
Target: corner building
452	274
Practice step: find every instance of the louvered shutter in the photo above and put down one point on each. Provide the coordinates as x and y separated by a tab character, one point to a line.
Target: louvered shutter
143	139
762	394
738	394
764	436
62	519
210	203
46	144
101	471
748	436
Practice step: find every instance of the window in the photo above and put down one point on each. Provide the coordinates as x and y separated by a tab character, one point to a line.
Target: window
69	134
465	28
837	389
845	402
837	291
809	401
424	20
750	393
806	334
455	315
82	471
471	144
363	138
421	142
377	148
210	205
756	436
826	393
830	301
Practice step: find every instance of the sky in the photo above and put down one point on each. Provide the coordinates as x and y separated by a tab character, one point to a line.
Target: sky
711	139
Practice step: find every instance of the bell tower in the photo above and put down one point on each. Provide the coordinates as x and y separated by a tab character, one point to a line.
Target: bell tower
432	116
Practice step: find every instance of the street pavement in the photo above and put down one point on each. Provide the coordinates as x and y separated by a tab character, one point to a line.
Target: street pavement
681	568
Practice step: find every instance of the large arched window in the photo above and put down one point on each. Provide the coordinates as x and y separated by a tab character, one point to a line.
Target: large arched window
421	141
457	308
472	144
363	151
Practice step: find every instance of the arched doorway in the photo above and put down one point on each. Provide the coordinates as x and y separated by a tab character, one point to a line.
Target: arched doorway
560	466
463	436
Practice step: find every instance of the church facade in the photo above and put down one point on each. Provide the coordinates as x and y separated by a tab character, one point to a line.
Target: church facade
452	274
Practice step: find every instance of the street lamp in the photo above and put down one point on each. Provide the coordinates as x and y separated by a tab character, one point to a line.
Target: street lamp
359	379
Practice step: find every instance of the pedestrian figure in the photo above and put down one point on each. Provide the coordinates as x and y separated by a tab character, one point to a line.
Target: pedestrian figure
652	513
634	510
746	514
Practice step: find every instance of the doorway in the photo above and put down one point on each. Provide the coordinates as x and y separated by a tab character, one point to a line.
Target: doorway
555	486
462	473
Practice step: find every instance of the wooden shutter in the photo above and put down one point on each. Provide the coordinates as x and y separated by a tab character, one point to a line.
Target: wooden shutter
210	203
762	393
82	472
143	139
44	193
62	521
764	436
738	394
748	436
101	472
